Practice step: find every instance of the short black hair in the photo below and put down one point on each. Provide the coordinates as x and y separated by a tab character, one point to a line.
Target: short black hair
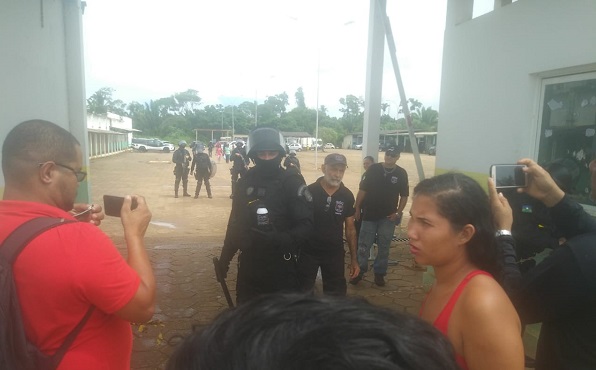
36	141
292	331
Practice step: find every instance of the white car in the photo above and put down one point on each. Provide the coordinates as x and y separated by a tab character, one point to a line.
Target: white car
143	145
358	146
295	146
329	146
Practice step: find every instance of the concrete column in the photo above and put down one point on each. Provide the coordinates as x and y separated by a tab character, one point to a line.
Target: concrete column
374	79
501	3
75	84
459	11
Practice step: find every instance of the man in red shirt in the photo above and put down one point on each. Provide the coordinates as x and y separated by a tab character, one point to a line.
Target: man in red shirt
66	270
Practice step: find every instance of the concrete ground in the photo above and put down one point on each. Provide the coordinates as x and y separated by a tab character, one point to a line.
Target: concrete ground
186	233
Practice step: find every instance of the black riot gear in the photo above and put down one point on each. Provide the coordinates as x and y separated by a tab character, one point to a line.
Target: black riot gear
267	259
265	138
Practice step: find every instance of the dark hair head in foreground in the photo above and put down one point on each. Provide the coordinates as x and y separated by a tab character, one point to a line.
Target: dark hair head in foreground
307	332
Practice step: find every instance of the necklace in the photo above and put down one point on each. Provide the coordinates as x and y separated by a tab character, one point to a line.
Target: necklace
387	172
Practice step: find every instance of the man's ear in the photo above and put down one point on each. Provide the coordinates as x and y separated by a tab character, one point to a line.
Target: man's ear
466	233
323	168
45	172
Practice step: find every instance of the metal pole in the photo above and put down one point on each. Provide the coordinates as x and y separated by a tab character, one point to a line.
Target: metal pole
256	109
317	121
402	94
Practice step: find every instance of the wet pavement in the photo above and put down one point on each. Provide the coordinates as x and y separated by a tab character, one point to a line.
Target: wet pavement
187	233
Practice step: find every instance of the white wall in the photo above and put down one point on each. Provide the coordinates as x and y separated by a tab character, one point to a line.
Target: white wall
493	66
41	67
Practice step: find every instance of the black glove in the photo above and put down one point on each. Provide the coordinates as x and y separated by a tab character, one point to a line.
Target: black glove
224	264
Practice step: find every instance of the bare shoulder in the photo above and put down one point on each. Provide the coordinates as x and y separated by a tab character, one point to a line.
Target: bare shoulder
483	295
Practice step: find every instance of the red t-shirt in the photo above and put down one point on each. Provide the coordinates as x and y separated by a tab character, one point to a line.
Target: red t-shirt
59	275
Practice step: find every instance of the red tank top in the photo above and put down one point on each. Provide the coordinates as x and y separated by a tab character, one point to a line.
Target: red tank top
442	321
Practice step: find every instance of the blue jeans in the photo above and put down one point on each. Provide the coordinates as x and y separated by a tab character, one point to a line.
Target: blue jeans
383	229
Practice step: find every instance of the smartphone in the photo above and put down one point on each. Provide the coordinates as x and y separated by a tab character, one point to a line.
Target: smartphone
112	205
509	175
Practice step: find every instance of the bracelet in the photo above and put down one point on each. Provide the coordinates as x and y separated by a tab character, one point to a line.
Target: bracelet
503	233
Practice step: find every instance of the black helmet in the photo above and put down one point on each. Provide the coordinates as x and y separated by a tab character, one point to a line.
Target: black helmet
265	138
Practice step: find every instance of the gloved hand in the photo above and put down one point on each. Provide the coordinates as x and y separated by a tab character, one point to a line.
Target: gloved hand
224	266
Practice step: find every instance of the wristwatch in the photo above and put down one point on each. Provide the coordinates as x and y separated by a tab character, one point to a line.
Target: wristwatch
503	233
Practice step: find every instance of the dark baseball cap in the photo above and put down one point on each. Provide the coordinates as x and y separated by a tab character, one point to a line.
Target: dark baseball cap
392	151
336	158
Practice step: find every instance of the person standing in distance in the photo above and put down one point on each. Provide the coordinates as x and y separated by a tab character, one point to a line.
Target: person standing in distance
382	198
270	221
66	270
239	164
201	166
292	161
181	158
333	208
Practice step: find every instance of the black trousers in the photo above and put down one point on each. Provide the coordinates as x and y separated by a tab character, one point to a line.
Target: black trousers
264	272
202	177
332	270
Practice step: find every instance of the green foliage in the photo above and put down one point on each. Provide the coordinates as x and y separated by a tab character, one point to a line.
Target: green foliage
177	116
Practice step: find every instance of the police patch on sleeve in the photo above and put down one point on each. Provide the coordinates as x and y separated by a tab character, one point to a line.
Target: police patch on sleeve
304	192
250	190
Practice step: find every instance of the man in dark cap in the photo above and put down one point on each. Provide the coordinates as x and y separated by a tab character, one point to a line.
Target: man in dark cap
271	219
181	158
382	198
333	205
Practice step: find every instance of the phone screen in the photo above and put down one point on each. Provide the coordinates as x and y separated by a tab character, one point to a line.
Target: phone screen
112	205
508	175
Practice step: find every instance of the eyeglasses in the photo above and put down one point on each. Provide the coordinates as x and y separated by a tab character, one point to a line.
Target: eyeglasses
328	204
80	175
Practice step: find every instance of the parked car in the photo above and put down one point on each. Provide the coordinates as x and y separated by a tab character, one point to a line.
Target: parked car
143	145
329	146
316	146
358	146
295	146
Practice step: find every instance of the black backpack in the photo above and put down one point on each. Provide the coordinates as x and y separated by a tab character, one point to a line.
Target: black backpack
16	352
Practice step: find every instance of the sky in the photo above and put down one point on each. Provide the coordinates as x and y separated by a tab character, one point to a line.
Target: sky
232	51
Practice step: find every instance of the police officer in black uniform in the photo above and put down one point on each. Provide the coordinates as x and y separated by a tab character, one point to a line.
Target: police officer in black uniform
239	164
181	158
271	219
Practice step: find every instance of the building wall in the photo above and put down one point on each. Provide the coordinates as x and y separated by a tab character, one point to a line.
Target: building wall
493	67
41	68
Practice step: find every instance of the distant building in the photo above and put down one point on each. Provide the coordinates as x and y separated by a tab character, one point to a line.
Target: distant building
108	134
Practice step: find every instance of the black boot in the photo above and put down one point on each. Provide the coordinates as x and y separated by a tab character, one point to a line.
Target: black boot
185	188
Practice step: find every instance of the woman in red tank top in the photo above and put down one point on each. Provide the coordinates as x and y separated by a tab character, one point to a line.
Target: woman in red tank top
451	228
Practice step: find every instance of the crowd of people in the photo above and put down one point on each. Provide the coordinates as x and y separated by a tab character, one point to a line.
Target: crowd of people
284	231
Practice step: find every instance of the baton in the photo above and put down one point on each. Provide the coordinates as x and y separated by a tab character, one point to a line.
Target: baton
219	275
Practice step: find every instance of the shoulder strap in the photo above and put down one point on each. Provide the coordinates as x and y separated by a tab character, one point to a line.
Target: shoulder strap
22	235
12	246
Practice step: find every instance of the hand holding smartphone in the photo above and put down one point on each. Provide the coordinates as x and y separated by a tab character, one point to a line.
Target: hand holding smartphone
509	176
113	205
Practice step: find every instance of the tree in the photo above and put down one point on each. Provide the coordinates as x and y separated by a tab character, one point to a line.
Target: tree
300	98
101	101
352	115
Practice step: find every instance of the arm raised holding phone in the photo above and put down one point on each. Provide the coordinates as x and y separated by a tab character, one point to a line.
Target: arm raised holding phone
135	221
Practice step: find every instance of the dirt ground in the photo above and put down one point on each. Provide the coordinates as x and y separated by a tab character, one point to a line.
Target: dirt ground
150	175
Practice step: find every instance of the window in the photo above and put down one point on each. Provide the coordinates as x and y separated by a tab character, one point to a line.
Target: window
567	129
